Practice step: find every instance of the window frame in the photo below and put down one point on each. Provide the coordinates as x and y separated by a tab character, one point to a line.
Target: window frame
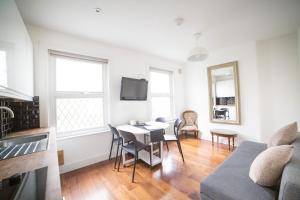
170	94
71	94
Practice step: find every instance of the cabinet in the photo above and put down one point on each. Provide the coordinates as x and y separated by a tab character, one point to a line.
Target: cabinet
16	54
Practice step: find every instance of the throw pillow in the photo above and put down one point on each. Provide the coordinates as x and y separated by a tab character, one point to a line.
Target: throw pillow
267	167
285	135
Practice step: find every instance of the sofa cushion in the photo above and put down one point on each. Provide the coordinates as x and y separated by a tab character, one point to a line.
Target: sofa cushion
290	180
267	167
285	135
231	179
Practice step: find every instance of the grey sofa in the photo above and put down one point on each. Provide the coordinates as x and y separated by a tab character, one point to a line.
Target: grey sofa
231	179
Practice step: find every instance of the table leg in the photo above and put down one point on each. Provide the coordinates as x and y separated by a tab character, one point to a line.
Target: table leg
212	139
233	142
229	143
151	152
217	141
161	150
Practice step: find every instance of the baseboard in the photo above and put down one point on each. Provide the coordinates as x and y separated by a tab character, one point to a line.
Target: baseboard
83	163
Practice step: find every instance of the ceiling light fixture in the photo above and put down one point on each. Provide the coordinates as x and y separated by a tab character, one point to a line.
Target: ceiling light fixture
197	53
179	21
98	10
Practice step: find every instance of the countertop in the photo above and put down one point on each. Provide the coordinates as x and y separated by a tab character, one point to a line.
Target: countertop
36	160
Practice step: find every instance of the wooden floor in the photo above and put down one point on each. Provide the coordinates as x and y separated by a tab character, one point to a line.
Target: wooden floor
173	179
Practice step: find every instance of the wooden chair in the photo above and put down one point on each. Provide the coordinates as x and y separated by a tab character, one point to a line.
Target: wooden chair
189	118
163	120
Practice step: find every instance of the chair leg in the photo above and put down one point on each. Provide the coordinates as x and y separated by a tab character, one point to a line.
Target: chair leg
167	145
180	150
150	154
160	149
111	146
135	159
120	159
117	154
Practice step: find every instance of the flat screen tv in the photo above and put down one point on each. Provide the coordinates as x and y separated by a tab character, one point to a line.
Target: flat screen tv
134	89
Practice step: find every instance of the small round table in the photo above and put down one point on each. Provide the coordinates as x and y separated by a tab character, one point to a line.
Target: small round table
223	133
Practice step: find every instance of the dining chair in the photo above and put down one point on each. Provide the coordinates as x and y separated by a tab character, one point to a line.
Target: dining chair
189	123
115	138
175	137
163	120
156	137
133	147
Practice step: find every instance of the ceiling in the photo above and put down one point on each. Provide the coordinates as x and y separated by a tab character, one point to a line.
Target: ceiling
149	26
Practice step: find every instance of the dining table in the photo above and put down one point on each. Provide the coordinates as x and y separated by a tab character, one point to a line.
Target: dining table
141	132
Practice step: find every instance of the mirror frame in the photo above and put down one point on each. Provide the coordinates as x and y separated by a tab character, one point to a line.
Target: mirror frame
233	64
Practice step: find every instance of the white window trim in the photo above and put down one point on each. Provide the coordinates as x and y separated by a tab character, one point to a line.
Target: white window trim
53	94
171	94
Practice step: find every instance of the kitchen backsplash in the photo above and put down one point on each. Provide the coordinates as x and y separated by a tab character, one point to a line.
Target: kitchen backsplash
27	115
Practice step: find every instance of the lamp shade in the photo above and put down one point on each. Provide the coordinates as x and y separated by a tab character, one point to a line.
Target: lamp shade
197	54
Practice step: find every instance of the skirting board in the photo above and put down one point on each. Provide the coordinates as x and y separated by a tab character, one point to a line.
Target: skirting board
83	163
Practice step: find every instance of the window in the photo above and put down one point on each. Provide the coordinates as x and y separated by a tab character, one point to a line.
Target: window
79	94
3	68
161	89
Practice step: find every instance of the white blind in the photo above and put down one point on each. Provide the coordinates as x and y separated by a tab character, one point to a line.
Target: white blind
77	56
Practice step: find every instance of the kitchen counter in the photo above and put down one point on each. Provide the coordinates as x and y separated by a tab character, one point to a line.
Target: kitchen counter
36	160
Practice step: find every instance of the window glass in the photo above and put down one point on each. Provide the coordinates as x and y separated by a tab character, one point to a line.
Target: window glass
160	82
161	94
78	95
78	113
78	76
161	107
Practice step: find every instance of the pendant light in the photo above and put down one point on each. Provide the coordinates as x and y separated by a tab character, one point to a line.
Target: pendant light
197	53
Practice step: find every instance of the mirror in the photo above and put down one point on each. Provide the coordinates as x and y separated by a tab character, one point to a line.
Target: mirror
224	100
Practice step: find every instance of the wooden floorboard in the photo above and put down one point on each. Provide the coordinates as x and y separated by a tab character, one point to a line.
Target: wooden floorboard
173	179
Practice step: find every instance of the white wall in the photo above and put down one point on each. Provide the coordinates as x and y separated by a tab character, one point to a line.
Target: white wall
196	90
298	37
279	81
85	150
269	86
15	39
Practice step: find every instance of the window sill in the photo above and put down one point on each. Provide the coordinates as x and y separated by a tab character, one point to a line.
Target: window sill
81	134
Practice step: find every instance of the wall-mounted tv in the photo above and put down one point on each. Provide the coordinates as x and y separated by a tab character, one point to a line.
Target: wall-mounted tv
134	89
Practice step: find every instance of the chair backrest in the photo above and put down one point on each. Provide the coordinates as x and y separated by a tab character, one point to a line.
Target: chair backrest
114	130
161	119
157	135
127	137
189	117
176	126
